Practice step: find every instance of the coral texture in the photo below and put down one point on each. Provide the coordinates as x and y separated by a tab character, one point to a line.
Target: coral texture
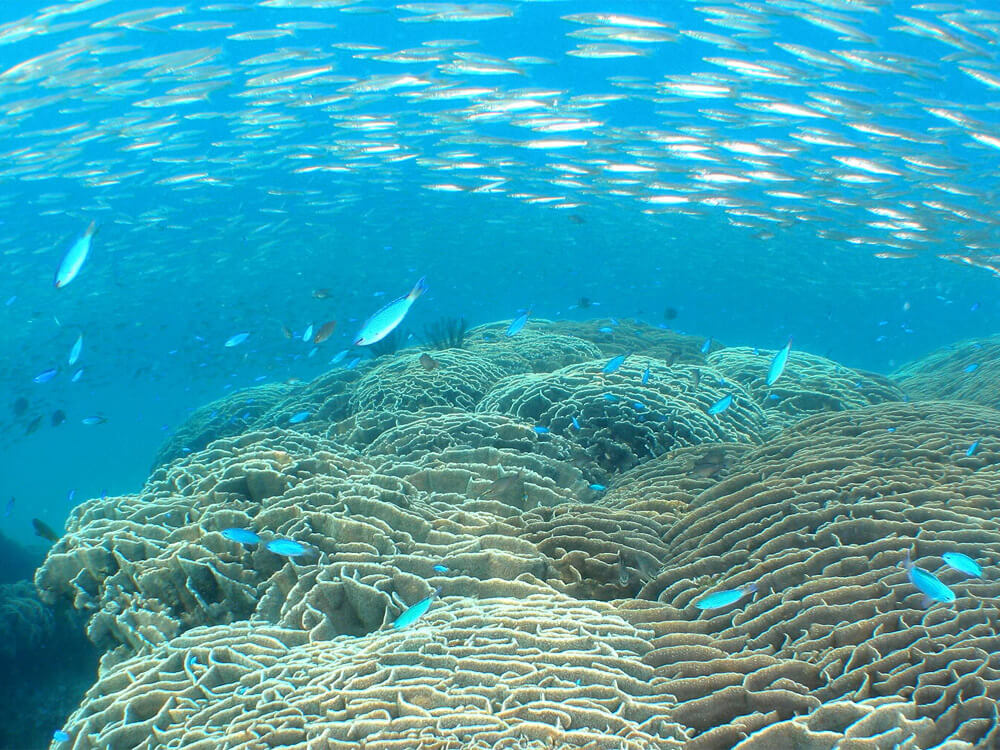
964	372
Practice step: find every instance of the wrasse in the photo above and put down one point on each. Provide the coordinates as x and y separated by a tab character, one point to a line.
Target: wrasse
518	323
614	364
721	405
74	353
415	612
382	323
74	259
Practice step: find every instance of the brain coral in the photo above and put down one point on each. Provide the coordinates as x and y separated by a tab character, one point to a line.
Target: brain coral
623	422
530	350
820	519
403	383
965	371
611	337
809	383
226	416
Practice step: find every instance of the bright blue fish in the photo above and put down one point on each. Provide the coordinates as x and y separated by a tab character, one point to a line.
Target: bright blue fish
301	416
971	368
707	345
60	736
308	333
645	375
287	547
412	614
540	429
96	419
576	423
518	323
45	377
778	364
613	364
927	582
963	564
638	406
726	598
598	487
439	568
73	261
972	448
243	536
9	507
610	397
382	323
74	353
76	376
339	356
721	405
236	339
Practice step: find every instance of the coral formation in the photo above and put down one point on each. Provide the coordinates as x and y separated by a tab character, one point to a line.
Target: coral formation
230	415
809	383
961	372
622	422
570	518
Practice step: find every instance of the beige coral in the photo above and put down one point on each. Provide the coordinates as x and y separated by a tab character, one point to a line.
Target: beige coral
965	371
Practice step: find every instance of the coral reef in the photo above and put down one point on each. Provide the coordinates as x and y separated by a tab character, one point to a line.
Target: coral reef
963	372
230	415
569	519
622	422
809	383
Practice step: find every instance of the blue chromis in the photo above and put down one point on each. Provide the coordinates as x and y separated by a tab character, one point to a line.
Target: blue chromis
541	429
74	259
928	583
726	598
243	536
47	375
236	339
415	612
721	405
778	364
440	568
972	448
61	736
613	364
300	416
707	345
74	353
287	547
645	375
518	323
576	423
382	323
963	564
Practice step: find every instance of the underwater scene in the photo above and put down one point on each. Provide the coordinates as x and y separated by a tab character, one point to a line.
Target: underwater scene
528	375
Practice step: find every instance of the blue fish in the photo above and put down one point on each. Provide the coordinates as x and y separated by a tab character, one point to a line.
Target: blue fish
972	448
353	363
385	320
46	376
721	405
598	487
308	333
60	736
778	364
707	345
725	598
604	330
610	397
301	416
576	423
645	375
970	368
638	406
74	353
73	261
412	614
540	429
339	356
518	323
97	419
237	339
439	568
243	536
928	583
9	507
287	547
613	364
963	564
76	375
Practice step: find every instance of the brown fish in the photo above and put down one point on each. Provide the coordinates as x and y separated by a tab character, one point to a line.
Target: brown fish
43	530
324	332
33	425
710	464
509	487
428	362
286	331
696	378
321	293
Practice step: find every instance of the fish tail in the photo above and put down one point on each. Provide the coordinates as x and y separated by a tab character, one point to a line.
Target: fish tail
419	288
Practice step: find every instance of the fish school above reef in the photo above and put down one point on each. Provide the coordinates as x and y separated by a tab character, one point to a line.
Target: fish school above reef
592	534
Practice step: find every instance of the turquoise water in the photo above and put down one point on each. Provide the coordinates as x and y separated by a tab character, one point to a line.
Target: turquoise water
823	172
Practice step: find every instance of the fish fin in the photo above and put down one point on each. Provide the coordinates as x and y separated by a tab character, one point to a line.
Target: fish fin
926	602
419	288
